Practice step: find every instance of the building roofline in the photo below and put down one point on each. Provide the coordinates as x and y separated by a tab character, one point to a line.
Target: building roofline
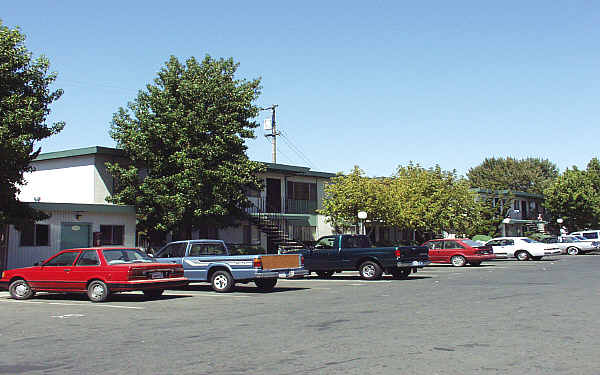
508	192
95	150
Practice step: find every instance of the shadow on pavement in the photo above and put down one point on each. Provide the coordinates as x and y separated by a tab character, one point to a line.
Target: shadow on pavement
358	278
244	288
117	297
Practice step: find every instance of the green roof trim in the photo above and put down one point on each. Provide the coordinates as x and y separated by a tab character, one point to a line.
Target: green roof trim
521	194
80	152
271	167
83	207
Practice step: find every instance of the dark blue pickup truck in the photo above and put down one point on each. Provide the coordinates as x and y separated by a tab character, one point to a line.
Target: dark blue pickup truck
352	252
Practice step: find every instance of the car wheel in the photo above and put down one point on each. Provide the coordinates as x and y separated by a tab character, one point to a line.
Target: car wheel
20	289
222	282
324	274
97	291
265	285
572	251
401	273
370	270
458	261
475	264
536	258
153	293
522	255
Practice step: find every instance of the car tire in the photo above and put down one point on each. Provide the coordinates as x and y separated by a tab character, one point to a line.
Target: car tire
153	293
401	273
458	261
324	274
370	270
222	282
97	291
475	264
522	255
265	285
573	251
20	290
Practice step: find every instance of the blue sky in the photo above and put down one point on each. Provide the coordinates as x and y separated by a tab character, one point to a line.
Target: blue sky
375	84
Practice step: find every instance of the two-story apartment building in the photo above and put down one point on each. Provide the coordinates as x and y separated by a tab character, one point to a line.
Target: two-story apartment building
72	187
524	212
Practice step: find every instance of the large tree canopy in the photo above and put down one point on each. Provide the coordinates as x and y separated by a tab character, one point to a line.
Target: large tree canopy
531	175
575	197
429	200
185	136
25	97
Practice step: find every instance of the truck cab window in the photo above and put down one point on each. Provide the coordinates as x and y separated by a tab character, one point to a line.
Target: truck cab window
325	243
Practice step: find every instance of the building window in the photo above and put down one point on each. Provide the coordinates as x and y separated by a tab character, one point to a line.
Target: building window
302	191
112	234
35	235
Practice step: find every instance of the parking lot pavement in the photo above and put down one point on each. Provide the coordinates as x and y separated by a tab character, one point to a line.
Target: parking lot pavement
505	317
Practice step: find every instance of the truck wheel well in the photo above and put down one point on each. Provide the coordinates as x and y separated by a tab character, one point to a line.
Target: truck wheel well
362	260
215	269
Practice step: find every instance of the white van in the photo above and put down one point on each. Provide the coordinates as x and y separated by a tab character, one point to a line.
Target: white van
589	234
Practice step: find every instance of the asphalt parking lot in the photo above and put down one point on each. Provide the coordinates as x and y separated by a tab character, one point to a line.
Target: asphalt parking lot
505	317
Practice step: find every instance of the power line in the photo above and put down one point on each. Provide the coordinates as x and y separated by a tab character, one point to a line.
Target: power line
297	150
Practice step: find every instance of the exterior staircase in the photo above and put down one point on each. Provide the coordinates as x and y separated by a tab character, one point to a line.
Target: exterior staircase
275	226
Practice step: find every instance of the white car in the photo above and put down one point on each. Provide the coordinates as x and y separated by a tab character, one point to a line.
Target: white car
522	248
573	245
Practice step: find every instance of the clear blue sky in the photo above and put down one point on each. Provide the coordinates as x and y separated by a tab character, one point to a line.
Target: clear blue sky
374	84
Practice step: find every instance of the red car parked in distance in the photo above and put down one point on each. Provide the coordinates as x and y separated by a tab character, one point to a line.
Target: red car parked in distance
458	251
95	271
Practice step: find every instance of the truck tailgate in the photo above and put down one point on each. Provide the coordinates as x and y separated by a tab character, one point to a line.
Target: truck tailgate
414	252
277	262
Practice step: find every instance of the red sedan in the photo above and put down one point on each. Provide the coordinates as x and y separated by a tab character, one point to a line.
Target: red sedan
95	271
458	251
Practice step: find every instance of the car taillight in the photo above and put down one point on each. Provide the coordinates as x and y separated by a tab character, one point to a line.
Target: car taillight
257	263
398	253
301	260
136	273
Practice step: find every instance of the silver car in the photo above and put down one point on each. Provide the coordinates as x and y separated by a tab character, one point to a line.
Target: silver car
573	245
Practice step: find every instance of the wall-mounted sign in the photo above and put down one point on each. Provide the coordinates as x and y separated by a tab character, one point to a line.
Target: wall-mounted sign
75	228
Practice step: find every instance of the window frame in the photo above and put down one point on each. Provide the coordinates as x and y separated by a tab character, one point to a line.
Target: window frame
35	238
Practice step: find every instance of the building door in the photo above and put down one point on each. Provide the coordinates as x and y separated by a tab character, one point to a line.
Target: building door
273	195
74	235
3	247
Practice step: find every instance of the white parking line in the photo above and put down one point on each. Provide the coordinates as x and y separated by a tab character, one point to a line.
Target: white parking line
73	304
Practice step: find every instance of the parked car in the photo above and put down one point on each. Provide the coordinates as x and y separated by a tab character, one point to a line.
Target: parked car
589	234
98	272
349	252
209	261
458	251
522	248
573	245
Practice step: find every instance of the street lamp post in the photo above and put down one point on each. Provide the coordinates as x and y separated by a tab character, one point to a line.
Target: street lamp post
362	215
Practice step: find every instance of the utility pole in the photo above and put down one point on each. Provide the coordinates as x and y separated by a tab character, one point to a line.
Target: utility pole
274	132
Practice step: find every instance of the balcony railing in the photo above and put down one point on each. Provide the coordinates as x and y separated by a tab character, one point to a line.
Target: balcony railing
294	206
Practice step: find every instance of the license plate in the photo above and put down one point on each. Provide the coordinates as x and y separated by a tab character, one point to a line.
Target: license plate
156	275
282	275
417	263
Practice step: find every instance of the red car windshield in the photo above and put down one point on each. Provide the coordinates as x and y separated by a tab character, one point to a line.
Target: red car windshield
116	256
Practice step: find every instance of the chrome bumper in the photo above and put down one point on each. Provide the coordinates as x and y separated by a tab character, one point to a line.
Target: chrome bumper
283	274
415	263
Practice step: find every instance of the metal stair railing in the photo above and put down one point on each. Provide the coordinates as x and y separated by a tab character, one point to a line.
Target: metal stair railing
273	224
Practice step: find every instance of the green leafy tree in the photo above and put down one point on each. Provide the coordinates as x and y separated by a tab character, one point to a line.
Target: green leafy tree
25	97
347	195
185	137
530	175
575	197
429	200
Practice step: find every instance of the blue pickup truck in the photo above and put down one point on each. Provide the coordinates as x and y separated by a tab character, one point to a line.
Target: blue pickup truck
210	260
346	252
